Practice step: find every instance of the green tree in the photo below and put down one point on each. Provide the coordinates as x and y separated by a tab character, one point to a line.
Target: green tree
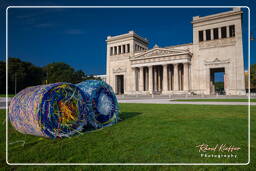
61	72
253	74
78	76
2	77
22	74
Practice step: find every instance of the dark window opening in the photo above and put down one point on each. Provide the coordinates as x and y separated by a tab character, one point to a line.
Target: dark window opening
119	49
115	50
201	36
128	48
223	32
215	33
232	31
208	34
124	49
111	51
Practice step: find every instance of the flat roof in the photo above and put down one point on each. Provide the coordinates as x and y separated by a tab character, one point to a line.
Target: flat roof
198	19
127	35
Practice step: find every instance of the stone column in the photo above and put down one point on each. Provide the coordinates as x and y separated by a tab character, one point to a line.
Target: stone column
204	35
212	37
150	77
180	77
227	28
141	80
169	79
147	81
186	76
155	79
219	30
176	78
133	79
158	79
165	79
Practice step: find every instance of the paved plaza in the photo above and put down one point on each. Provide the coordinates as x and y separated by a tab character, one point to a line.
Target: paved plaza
169	99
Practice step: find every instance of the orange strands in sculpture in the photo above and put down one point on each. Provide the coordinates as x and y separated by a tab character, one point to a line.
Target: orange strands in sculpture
68	111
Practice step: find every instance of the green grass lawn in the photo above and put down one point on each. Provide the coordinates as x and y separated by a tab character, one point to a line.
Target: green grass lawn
147	134
9	95
215	100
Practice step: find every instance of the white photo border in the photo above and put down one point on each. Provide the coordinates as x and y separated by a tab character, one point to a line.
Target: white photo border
48	164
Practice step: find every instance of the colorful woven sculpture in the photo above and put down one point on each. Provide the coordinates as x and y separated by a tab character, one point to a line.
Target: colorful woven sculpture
55	110
104	103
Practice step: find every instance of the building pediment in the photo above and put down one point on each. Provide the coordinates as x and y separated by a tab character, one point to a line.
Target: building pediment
156	52
217	61
118	70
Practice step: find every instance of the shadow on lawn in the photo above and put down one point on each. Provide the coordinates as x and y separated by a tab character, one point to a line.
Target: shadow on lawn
127	115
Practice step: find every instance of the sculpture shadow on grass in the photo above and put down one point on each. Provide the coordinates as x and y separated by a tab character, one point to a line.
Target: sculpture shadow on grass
122	117
127	115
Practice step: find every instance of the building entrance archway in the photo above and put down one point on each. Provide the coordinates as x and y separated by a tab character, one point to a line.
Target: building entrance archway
217	81
119	84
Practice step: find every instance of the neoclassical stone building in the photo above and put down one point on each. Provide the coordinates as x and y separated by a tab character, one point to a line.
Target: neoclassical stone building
217	46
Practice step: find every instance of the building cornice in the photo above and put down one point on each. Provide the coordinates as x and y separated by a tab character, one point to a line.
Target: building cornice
198	19
180	45
130	34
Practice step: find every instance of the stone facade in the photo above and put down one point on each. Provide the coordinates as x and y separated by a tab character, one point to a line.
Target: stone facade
217	46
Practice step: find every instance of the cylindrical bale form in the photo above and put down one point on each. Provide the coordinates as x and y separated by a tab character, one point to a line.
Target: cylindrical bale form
104	103
55	110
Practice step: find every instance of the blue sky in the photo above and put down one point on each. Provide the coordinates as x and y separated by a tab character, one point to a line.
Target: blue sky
77	36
